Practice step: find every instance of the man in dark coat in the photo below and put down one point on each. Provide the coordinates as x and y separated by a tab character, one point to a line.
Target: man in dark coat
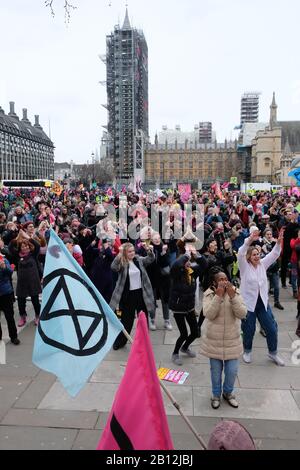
100	273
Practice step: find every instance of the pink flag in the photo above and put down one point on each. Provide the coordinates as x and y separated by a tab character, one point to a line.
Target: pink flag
137	420
295	191
217	190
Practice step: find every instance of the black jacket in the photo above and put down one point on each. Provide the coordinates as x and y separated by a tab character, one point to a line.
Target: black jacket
100	272
289	233
182	292
154	271
222	259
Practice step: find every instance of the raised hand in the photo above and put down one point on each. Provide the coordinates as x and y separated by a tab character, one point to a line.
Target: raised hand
230	289
220	290
280	236
164	249
254	236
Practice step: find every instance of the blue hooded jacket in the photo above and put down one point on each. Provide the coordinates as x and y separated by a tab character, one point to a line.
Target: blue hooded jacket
5	279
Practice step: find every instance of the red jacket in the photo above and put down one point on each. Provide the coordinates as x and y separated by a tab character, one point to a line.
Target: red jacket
293	243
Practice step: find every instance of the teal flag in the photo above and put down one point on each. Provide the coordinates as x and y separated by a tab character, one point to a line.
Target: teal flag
77	328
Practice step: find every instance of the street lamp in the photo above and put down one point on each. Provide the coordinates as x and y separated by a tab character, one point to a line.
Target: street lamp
93	167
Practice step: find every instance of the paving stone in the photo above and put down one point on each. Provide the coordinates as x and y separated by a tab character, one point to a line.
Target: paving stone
253	403
26	333
109	372
293	335
14	370
163	353
102	420
266	377
51	419
2	351
289	327
93	397
199	359
36	438
277	444
188	441
183	396
11	388
87	440
157	337
272	429
203	425
296	396
20	355
120	355
34	393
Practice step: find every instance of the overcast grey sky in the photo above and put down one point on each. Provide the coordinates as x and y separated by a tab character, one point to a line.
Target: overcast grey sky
202	56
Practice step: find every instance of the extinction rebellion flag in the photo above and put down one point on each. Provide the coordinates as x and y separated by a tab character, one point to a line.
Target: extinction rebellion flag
77	327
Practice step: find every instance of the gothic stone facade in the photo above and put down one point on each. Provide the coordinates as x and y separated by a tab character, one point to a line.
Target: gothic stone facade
191	163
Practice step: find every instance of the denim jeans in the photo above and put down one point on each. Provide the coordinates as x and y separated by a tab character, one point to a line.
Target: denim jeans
274	284
267	322
172	257
230	370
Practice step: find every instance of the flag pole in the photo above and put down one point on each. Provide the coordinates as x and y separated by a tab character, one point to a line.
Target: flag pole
175	404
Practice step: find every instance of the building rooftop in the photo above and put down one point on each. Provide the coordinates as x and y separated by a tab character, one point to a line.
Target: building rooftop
58	165
191	146
23	127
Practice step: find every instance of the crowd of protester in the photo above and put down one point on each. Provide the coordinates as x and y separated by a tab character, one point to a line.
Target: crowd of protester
250	245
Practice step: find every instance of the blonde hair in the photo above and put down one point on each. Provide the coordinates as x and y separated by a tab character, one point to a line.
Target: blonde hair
124	259
249	252
43	224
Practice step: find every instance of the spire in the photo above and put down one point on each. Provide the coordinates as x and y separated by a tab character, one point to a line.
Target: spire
287	148
126	24
273	112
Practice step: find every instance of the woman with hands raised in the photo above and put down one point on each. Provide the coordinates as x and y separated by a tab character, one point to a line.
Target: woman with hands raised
254	289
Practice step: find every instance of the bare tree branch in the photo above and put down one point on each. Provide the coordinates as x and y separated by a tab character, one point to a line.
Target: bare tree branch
67	7
49	3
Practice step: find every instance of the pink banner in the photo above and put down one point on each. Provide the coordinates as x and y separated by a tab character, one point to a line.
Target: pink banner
185	191
137	420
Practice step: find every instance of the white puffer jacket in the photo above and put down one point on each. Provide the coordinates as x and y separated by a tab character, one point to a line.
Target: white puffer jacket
221	331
